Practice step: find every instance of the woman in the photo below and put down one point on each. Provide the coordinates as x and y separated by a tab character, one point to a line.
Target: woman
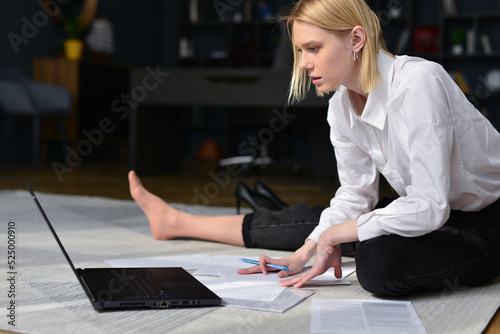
401	117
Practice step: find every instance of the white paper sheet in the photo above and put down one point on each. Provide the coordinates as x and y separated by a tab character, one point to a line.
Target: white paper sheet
286	300
226	263
229	274
230	277
232	295
364	316
329	278
265	293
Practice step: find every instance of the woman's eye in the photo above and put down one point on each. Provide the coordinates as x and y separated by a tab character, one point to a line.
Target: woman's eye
314	49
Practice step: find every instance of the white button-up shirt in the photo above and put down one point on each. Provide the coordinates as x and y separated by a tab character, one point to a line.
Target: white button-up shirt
418	130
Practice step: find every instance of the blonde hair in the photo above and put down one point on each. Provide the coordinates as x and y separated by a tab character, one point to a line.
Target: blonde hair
339	17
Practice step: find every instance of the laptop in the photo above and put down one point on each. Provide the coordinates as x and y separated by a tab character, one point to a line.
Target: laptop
137	288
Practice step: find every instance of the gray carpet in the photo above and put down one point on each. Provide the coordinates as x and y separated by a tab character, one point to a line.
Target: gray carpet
49	299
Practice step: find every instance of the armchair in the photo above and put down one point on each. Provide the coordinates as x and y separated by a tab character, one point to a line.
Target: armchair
21	96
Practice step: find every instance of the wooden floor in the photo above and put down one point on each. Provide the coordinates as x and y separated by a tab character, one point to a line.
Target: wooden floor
198	183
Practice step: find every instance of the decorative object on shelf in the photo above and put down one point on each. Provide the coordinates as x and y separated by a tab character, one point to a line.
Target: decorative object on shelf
247	14
73	48
73	26
425	39
485	41
471	41
396	9
449	7
235	11
218	54
403	42
457	41
462	81
237	17
209	154
493	80
193	11
100	39
265	11
73	45
186	48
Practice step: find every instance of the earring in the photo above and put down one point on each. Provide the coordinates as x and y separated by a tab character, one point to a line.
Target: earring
355	56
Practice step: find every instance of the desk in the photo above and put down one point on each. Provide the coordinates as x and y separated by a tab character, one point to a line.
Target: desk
157	93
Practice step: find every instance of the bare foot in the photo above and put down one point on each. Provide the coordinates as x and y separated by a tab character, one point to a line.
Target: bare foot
164	220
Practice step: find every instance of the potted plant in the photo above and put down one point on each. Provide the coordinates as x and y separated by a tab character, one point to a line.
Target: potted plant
73	45
73	26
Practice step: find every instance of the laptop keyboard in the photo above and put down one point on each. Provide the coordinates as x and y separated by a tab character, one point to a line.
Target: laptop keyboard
134	284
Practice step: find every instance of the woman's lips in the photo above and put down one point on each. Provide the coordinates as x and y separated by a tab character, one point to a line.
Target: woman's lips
315	80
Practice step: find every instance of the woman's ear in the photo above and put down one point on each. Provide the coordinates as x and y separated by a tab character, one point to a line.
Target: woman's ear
358	38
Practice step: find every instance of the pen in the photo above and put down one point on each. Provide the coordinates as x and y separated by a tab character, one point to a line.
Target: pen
267	264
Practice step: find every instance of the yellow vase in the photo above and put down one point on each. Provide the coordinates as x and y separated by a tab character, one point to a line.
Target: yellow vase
73	49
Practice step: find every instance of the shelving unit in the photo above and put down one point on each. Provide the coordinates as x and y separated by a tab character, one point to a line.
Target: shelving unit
475	24
471	59
229	33
224	35
412	33
397	22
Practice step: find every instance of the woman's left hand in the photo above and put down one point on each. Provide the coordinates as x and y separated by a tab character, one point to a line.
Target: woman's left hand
328	253
327	256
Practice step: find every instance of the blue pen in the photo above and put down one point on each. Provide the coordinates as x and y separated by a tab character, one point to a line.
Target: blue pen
267	264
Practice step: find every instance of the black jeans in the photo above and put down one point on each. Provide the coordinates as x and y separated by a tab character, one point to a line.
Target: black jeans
463	252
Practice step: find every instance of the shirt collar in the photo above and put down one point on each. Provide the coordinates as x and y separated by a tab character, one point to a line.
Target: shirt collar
375	111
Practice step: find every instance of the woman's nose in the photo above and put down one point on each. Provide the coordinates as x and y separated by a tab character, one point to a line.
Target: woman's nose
304	63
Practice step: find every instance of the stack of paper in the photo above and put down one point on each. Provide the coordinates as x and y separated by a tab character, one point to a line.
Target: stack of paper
219	274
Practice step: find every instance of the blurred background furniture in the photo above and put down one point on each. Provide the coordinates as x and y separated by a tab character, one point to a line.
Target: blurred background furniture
22	96
253	97
96	86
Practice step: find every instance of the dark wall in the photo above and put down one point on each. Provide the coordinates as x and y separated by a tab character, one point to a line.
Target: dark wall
144	31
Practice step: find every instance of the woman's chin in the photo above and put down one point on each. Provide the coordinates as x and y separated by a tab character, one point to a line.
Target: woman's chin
323	89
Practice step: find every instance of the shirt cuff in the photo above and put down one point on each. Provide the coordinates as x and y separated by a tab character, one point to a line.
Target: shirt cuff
368	227
315	234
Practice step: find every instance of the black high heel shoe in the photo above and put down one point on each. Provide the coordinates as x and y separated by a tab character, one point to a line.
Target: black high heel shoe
262	190
245	194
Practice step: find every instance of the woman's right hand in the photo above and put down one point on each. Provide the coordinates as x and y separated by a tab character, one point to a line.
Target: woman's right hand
295	262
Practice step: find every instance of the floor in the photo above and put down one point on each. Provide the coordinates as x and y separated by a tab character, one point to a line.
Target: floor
197	183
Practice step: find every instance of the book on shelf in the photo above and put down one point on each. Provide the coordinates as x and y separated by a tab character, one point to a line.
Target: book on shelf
471	41
462	81
403	41
485	41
